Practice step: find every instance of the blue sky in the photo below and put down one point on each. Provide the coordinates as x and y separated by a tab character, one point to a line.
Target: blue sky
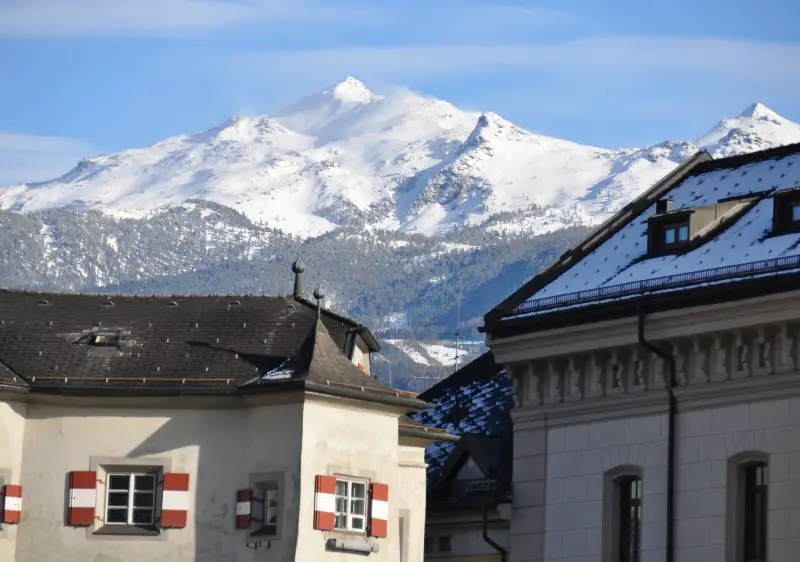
81	77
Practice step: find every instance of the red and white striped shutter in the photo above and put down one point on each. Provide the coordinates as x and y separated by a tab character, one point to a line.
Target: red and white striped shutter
82	493
378	510
175	500
244	508
12	503
325	503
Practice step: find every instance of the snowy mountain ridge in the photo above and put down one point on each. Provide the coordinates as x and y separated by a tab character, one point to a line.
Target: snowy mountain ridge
347	157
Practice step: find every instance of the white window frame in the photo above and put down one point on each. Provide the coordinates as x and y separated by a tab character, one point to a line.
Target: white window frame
348	515
131	476
270	495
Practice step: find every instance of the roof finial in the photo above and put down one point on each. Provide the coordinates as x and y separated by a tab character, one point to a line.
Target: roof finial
319	295
297	269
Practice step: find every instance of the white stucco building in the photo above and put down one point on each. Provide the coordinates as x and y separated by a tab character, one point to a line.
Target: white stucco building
656	376
201	429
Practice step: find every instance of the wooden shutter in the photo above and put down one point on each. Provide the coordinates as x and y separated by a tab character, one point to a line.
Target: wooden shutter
12	503
244	508
325	503
175	500
378	509
82	493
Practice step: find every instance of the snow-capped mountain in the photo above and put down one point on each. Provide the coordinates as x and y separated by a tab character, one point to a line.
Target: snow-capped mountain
349	157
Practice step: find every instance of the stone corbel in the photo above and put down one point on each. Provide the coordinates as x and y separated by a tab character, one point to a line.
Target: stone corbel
699	375
762	353
553	383
740	366
680	364
656	379
594	376
636	371
614	374
719	360
784	353
533	386
573	381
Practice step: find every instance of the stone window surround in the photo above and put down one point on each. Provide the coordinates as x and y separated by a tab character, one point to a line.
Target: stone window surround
99	531
611	507
734	508
266	481
369	477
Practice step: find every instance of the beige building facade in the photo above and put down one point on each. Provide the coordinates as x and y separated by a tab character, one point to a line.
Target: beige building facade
180	467
656	376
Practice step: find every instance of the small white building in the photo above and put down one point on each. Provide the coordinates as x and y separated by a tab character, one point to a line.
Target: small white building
656	371
211	428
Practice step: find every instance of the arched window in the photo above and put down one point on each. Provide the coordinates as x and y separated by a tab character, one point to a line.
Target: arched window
630	518
748	483
622	519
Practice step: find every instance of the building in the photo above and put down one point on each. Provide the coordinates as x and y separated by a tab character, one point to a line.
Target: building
469	482
655	374
201	429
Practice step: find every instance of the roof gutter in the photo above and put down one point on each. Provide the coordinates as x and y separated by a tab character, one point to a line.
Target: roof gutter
654	349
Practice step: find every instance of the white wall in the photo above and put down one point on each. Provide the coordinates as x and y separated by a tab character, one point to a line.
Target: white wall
218	448
562	518
12	428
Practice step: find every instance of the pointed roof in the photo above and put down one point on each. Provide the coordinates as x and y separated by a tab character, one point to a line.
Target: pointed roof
320	360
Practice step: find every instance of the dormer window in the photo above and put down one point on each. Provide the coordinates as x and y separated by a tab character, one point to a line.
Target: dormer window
786	211
105	339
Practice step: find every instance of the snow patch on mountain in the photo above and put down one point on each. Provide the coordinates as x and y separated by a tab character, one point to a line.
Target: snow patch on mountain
347	157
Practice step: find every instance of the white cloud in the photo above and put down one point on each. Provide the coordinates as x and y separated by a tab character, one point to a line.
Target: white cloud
47	18
28	158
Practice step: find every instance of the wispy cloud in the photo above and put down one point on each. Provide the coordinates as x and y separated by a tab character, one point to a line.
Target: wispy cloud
27	158
60	18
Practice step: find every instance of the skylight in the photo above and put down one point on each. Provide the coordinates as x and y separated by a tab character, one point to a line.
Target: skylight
105	339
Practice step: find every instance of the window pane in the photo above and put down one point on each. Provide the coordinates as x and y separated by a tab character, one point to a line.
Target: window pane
115	515
357	523
271	507
143	499
796	212
145	482
444	544
119	482
630	517
359	490
683	233
118	499
341	488
340	522
357	507
142	516
669	235
341	505
755	513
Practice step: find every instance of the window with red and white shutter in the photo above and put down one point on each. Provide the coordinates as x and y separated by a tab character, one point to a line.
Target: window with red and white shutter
82	497
325	502
244	508
175	500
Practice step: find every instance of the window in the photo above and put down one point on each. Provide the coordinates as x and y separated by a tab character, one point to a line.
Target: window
755	512
675	234
130	499
105	339
444	544
630	519
351	505
796	212
271	507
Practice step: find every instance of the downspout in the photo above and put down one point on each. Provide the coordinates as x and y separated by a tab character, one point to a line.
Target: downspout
652	348
485	532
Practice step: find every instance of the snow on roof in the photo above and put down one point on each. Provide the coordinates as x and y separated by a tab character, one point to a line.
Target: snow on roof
622	258
474	400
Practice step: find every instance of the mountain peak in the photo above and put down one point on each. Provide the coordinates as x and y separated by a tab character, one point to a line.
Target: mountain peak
351	90
759	111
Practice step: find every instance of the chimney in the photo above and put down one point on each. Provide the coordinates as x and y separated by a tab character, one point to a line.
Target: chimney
318	295
297	269
663	206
